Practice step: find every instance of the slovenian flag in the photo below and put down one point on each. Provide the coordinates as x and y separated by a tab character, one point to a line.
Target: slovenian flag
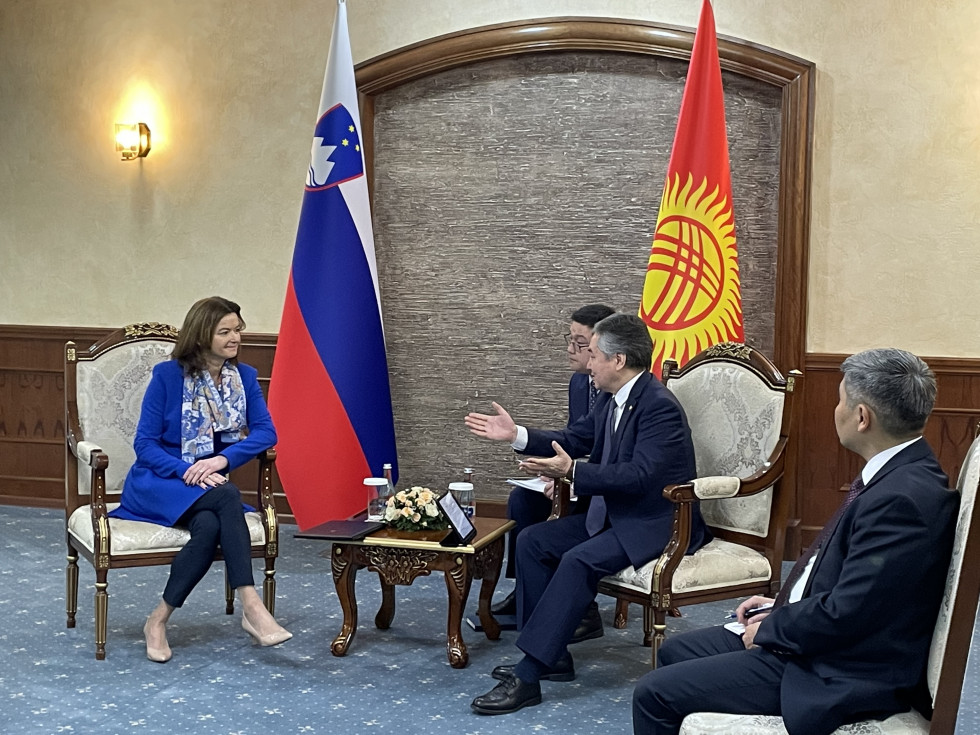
329	396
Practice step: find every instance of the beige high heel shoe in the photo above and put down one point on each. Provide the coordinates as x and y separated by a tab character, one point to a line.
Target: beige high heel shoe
157	655
269	639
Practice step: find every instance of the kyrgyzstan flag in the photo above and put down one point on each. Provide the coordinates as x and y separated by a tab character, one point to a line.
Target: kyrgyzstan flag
329	396
691	295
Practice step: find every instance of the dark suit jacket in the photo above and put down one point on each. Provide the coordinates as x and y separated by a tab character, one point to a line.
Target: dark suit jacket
651	448
858	641
578	397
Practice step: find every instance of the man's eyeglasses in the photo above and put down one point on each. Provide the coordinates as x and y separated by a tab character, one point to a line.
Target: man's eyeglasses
576	343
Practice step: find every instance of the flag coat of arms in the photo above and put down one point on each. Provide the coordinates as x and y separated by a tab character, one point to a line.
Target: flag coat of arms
329	396
691	293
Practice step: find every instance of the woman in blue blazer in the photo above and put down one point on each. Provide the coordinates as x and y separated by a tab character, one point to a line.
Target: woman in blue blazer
203	415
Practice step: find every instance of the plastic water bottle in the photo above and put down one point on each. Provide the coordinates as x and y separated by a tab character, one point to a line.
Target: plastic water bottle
391	485
376	487
463	492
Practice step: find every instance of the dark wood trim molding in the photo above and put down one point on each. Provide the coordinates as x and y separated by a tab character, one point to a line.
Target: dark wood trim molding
32	423
940	365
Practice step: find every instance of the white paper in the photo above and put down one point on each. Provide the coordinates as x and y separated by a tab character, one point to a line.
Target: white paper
537	484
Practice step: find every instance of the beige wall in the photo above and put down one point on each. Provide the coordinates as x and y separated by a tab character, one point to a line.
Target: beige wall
86	239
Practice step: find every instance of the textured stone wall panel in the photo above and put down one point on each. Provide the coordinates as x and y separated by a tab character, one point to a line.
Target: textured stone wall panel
510	192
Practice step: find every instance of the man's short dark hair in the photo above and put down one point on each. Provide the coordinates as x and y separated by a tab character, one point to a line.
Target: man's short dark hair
898	386
625	334
591	314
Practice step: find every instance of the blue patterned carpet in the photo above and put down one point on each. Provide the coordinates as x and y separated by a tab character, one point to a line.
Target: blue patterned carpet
395	680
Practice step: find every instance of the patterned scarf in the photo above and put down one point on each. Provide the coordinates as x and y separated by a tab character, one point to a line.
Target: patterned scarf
207	408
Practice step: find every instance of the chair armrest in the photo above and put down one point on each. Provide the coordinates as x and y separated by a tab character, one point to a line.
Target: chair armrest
719	487
561	501
267	461
708	488
266	502
769	473
91	454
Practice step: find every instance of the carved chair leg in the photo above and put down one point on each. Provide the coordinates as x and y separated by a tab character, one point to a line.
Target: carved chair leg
229	597
269	586
71	586
647	626
622	613
101	613
659	633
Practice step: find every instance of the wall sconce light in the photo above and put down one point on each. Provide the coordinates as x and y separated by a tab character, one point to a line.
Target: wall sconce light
132	141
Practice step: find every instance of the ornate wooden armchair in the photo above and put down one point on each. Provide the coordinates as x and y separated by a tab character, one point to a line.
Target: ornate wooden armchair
947	656
104	387
739	408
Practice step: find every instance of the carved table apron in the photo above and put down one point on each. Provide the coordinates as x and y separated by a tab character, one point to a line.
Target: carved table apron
400	560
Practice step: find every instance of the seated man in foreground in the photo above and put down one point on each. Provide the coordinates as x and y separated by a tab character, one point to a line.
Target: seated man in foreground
638	441
848	637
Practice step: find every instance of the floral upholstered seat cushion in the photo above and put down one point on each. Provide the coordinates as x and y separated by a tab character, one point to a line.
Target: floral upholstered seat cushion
718	564
136	537
712	723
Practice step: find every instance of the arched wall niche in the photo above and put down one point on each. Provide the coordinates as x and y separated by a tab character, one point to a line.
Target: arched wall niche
516	171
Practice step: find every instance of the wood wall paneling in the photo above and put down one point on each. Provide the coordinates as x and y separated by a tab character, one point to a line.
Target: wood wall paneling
825	468
32	432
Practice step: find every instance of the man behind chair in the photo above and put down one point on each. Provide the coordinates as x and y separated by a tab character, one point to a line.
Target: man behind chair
527	507
848	637
638	441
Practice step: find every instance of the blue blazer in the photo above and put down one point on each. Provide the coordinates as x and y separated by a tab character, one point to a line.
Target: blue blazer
651	448
858	641
154	490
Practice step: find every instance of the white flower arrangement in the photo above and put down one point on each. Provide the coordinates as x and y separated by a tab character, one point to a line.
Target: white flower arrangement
415	509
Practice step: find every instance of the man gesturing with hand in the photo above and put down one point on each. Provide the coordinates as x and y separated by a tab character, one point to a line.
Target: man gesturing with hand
637	441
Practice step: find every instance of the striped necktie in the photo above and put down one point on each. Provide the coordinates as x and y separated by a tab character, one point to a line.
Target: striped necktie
595	519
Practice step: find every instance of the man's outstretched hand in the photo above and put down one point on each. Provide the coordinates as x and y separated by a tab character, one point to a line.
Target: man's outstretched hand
499	426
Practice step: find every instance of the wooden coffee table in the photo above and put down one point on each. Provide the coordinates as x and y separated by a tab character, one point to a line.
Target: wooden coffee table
399	558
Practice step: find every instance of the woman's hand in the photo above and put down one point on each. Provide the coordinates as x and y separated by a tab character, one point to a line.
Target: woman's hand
206	473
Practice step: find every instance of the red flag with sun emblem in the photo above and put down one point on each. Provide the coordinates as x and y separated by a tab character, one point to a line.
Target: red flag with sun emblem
691	297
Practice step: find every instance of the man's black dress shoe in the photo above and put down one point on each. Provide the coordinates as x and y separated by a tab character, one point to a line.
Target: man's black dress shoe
508	696
590	627
507	606
564	670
